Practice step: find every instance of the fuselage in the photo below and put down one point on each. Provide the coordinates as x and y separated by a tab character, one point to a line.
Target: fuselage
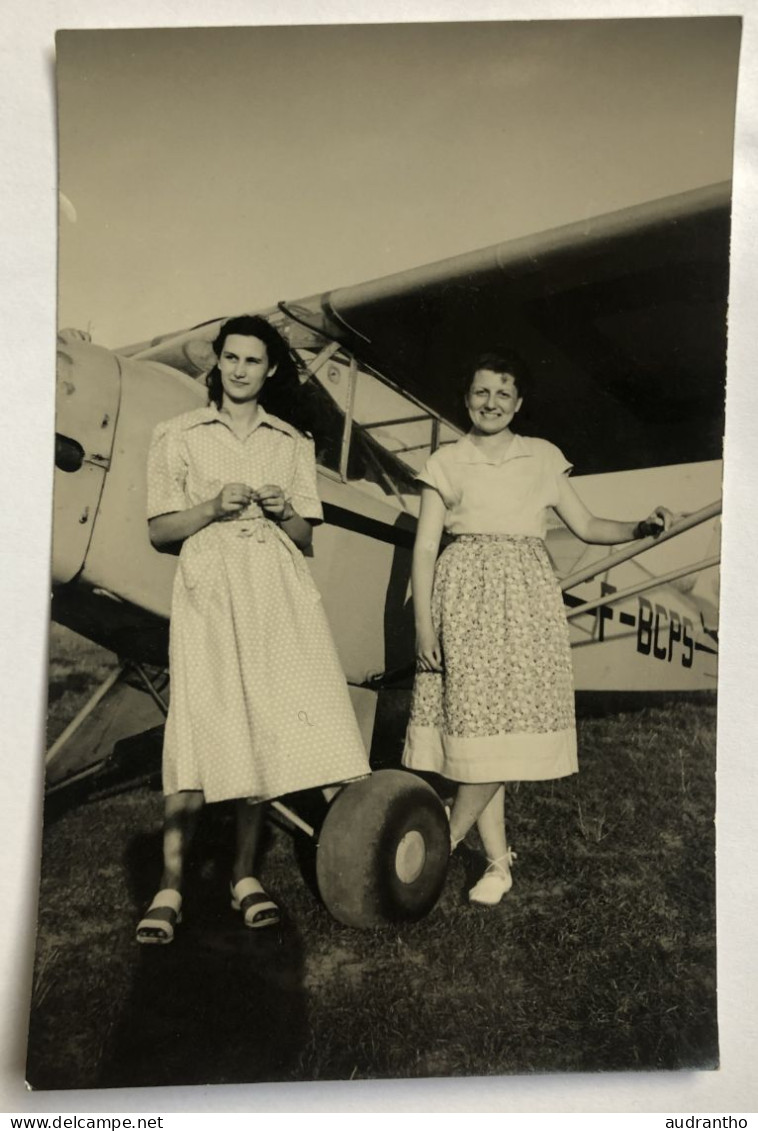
111	585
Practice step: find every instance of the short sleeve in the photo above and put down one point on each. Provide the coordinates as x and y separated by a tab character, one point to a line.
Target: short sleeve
561	466
304	489
433	474
166	472
557	466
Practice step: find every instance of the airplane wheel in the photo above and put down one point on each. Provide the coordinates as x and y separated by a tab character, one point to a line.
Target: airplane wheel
383	850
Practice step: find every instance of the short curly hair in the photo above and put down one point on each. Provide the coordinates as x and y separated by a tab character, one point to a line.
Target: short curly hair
503	361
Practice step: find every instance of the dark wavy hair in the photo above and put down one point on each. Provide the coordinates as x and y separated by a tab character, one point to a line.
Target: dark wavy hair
283	393
506	363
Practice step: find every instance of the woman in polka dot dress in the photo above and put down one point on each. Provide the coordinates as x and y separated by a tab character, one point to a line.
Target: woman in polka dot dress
259	703
493	699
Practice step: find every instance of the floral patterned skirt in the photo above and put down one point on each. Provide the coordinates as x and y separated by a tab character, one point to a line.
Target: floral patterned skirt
503	707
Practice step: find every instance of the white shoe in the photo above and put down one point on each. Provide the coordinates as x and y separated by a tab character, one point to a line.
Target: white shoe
496	882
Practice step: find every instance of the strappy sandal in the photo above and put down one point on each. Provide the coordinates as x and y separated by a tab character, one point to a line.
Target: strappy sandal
160	931
258	909
495	883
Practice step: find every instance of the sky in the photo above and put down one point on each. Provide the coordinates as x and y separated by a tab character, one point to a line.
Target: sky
218	170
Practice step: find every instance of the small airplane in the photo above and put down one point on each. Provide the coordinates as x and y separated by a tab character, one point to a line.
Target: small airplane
623	319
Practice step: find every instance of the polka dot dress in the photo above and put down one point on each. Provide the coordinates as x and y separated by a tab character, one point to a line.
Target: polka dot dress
259	703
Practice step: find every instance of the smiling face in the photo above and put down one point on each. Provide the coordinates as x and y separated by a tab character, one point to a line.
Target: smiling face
492	401
244	367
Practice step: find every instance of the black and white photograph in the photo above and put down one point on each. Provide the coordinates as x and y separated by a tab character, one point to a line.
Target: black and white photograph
383	657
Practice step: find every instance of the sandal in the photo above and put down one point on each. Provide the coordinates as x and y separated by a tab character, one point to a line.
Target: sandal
258	909
160	929
495	883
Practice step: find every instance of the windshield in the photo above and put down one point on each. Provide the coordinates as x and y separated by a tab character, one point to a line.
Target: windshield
389	438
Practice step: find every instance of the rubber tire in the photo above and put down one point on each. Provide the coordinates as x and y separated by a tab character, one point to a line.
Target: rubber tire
358	845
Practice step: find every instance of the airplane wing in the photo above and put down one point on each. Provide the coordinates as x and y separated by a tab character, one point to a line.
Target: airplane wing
622	318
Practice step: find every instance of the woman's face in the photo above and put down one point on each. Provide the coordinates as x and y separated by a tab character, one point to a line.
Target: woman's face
244	367
492	401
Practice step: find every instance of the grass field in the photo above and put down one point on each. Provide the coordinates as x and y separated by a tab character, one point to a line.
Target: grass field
601	958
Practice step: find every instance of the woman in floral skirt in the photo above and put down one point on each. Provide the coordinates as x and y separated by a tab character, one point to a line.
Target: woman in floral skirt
493	698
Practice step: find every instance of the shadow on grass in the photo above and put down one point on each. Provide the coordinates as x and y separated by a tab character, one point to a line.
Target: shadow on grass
219	1005
222	1003
602	957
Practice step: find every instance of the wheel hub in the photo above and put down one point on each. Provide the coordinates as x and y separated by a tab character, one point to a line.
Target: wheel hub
410	857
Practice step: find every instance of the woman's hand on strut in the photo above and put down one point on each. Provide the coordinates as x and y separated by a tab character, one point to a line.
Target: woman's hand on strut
274	502
428	651
233	497
656	523
606	531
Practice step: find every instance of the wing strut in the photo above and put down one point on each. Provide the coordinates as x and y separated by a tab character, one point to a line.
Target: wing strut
118	709
643	586
633	549
117	679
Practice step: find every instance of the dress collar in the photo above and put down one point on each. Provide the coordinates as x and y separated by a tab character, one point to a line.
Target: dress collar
210	414
466	451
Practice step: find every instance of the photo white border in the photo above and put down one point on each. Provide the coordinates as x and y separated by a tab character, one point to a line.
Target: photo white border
27	177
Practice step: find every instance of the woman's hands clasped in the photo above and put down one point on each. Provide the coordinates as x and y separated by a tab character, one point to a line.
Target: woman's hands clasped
273	502
235	497
232	498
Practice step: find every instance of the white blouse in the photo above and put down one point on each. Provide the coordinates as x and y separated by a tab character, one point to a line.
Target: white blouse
511	495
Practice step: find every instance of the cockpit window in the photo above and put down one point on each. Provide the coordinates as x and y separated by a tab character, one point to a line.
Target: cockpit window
390	436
